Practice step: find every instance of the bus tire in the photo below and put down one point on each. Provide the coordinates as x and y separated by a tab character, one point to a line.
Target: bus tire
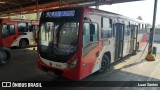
5	56
23	43
105	64
137	48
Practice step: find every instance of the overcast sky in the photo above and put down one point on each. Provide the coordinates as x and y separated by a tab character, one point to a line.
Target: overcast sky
135	9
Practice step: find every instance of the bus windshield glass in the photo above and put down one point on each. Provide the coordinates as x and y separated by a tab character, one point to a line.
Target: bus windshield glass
58	38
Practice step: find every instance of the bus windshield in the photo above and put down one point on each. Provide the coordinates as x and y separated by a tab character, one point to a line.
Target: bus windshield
58	38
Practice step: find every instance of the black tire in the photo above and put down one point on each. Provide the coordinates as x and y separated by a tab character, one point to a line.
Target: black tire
136	50
23	43
5	56
105	64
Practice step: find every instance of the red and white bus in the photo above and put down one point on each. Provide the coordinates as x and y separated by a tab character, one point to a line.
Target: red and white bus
17	32
76	42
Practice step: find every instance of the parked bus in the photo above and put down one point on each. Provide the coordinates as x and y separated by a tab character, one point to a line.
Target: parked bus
76	42
17	32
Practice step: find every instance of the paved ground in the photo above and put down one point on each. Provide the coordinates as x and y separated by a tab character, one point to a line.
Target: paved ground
23	67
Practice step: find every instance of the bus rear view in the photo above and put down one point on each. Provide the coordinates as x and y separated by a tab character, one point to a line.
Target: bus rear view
59	42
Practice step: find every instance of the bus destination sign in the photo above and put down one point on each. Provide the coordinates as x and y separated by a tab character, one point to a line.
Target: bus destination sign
57	14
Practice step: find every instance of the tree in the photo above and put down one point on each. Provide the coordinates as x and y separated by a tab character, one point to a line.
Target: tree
139	17
158	26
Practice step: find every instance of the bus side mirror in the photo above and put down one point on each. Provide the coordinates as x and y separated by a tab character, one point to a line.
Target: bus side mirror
92	29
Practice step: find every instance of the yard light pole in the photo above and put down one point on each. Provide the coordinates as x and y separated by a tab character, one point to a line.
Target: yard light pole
150	56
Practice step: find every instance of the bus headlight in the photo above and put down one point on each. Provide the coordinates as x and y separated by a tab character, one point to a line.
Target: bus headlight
72	65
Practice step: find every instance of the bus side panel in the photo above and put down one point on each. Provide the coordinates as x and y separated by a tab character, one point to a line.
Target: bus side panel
17	36
92	51
89	60
8	40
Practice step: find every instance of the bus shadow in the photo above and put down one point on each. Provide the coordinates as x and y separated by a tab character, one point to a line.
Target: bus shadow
124	59
13	48
135	63
24	68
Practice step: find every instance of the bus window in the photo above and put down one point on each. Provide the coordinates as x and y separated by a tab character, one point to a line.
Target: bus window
8	30
22	27
127	29
106	28
86	34
29	27
47	31
87	37
138	28
34	29
95	35
142	28
145	28
90	37
5	31
12	30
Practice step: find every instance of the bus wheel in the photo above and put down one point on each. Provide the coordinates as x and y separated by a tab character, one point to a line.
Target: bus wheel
5	56
104	64
23	43
136	50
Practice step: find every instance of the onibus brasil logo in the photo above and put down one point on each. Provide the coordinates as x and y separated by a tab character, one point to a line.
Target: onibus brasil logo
19	84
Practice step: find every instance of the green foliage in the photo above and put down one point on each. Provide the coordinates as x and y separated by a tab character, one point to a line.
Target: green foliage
31	16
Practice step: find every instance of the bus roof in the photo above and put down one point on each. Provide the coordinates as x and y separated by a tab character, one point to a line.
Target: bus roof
16	20
35	22
19	20
102	12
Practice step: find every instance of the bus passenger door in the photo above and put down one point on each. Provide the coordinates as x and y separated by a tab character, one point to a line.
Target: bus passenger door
133	40
119	30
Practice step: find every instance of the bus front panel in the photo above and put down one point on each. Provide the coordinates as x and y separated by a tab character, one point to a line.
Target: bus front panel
58	42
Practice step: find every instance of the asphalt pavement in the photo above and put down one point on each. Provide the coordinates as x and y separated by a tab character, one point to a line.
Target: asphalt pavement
23	67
